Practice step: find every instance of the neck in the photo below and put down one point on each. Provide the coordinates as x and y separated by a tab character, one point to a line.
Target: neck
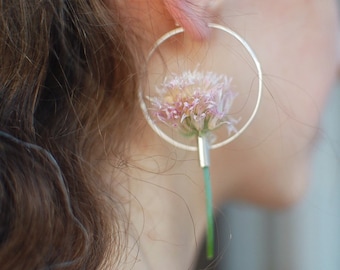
166	206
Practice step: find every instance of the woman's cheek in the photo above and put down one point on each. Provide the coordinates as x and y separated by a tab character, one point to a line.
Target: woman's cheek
297	46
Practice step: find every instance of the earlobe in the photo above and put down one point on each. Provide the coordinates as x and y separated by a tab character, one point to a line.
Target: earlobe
193	16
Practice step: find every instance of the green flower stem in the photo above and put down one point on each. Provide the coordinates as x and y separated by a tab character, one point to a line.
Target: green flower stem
210	213
204	158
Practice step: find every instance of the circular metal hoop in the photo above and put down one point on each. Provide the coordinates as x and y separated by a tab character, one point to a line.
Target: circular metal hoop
175	143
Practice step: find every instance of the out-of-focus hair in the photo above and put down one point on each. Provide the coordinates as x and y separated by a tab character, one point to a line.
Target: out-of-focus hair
68	84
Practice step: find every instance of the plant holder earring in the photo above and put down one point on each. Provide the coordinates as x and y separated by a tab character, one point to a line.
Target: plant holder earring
196	104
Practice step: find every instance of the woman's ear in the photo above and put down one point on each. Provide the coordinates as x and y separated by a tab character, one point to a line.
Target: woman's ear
193	15
158	16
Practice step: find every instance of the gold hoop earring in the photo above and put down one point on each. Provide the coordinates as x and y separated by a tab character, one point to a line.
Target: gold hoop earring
197	103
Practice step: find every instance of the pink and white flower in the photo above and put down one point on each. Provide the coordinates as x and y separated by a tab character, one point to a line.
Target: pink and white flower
195	102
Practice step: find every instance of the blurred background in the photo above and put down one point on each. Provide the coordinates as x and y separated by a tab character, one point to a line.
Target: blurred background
305	237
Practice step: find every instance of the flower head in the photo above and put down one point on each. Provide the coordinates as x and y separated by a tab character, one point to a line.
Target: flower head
195	102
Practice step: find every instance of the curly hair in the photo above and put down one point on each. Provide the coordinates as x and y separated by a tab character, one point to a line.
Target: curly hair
68	84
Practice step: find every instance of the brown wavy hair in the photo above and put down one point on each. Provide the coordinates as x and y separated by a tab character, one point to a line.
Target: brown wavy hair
68	83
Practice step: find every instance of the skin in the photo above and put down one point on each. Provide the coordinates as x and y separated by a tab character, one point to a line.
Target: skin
297	43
